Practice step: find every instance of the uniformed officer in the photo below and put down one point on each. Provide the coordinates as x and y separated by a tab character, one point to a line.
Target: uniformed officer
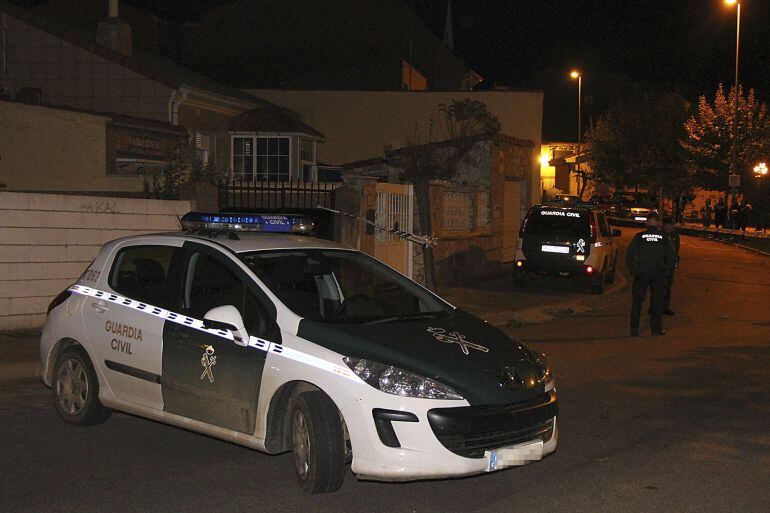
673	235
650	258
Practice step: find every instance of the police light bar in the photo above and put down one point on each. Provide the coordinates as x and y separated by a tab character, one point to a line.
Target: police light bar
270	223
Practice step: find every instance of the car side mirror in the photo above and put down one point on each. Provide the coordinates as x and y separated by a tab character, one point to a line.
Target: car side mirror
616	233
228	318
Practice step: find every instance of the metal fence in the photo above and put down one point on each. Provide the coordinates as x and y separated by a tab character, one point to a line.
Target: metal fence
237	193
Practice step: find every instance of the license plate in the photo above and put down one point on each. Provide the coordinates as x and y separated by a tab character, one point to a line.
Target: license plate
515	455
555	249
640	218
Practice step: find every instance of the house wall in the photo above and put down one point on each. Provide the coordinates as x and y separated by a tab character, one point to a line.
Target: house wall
43	148
75	77
48	240
358	124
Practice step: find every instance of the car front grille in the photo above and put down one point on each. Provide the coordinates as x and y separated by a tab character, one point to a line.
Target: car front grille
473	430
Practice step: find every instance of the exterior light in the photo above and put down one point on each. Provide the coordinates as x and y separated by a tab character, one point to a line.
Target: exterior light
760	169
544	160
731	2
575	74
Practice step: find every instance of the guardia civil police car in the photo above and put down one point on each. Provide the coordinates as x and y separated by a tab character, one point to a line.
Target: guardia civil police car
282	342
574	241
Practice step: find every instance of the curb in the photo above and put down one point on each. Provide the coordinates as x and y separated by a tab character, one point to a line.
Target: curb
542	314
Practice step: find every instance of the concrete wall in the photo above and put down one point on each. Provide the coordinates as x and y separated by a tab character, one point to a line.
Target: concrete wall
48	240
358	124
54	149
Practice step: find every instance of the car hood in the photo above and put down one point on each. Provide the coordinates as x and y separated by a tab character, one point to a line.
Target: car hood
495	370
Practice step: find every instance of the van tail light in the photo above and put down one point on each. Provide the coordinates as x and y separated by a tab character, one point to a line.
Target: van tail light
589	269
61	298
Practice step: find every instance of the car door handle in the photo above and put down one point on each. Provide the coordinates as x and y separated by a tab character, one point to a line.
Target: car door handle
100	306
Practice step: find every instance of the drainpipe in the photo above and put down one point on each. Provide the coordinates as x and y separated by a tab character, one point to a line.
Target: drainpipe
174	101
3	58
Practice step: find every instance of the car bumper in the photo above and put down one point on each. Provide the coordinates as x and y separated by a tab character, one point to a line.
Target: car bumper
456	441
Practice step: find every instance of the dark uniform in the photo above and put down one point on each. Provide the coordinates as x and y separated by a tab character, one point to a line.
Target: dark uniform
650	258
675	243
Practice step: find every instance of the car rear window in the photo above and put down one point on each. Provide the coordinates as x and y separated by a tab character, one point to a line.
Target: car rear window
541	220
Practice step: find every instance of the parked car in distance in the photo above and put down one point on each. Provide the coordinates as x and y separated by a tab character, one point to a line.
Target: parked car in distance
631	207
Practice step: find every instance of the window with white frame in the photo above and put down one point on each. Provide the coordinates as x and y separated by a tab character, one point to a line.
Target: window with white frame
264	159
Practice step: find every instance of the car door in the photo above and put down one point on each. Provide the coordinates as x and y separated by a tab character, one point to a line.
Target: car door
205	376
124	319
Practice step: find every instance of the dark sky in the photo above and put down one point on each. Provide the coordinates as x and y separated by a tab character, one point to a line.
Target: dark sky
669	45
678	45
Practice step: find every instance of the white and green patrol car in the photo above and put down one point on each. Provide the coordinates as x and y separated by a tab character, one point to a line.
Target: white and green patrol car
282	342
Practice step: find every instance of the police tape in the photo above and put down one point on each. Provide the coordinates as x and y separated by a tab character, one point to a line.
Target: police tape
257	343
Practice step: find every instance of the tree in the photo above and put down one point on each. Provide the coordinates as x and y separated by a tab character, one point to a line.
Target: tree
464	123
636	142
709	138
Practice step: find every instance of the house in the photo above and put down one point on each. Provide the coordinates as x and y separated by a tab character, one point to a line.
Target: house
142	99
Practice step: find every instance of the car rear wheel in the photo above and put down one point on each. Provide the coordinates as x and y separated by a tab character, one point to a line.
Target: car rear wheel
76	389
318	442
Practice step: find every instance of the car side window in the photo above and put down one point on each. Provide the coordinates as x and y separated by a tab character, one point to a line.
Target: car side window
603	227
210	283
142	273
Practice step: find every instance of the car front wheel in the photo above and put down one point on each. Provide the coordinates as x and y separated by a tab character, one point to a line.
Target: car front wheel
76	389
318	443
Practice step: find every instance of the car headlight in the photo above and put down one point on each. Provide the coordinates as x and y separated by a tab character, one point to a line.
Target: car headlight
544	374
393	380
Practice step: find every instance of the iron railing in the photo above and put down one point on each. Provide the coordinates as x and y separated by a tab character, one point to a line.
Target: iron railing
238	193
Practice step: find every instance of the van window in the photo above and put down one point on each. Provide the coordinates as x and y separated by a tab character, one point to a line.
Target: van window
141	273
546	220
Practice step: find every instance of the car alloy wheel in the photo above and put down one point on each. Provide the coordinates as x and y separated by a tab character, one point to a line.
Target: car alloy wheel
72	387
300	444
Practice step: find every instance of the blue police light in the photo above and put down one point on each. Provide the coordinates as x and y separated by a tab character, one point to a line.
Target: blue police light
269	223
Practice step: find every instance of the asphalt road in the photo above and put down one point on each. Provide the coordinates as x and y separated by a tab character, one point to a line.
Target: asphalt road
674	423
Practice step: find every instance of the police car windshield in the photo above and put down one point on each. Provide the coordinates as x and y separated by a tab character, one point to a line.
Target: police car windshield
337	286
557	219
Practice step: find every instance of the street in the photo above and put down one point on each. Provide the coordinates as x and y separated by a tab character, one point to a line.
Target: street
673	423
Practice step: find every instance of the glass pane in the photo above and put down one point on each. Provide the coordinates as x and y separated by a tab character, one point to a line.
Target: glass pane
238	165
248	168
262	146
248	146
283	165
272	146
272	166
237	145
283	146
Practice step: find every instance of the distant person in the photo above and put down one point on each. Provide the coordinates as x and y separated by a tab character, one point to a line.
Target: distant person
670	230
650	258
744	215
720	213
706	212
679	204
735	213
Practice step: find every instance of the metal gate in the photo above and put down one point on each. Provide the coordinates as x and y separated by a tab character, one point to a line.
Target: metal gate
395	210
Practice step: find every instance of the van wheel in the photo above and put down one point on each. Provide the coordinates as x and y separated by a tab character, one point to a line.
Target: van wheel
611	274
318	443
520	279
76	389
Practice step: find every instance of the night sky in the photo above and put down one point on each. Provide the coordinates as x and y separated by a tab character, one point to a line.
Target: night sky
665	45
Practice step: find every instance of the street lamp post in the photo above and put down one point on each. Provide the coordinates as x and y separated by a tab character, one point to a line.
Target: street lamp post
579	76
734	149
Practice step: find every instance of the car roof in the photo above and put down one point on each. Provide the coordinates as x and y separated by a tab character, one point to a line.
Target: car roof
248	241
583	207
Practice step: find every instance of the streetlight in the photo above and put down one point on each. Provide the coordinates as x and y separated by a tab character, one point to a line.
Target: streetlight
575	74
760	169
734	162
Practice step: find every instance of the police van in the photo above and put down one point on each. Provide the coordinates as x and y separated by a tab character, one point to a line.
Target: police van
244	329
574	241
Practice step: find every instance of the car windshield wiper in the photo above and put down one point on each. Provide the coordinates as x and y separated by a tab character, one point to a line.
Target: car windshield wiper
407	317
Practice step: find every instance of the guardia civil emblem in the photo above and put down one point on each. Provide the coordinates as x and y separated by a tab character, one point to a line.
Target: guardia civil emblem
454	337
208	360
581	246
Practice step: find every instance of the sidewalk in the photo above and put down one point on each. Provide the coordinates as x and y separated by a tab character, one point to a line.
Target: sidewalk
19	354
751	239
